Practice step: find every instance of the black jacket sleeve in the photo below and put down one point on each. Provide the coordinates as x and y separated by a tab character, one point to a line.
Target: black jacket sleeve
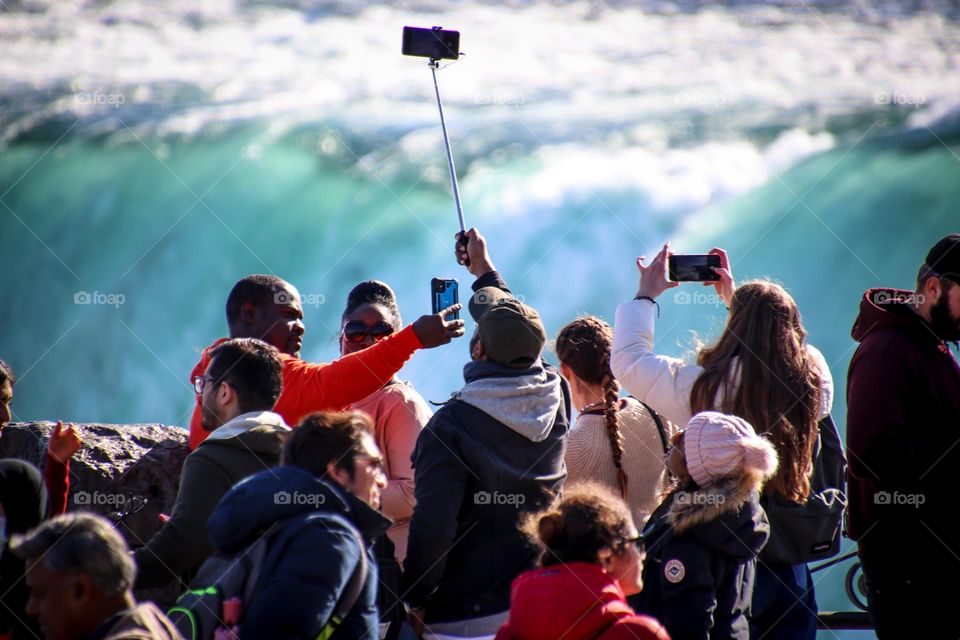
440	478
491	279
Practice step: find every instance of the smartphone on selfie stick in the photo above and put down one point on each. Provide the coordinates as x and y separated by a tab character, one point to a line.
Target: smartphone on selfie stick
438	44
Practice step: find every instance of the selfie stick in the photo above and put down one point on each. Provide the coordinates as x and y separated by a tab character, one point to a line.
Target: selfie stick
434	65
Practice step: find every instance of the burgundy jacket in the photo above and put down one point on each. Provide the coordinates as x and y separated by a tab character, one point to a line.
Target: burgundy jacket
903	421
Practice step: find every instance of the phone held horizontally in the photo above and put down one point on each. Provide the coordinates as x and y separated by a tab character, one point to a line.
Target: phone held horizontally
445	293
436	43
693	267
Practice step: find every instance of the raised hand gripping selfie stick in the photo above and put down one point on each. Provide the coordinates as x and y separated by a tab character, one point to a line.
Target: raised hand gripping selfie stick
438	44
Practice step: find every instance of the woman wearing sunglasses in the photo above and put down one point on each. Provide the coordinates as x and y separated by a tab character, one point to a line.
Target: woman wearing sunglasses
397	411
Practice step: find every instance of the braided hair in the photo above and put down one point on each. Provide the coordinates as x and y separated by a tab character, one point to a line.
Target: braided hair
584	345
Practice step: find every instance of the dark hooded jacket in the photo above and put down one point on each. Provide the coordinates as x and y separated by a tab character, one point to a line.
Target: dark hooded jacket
248	444
488	457
310	562
903	424
24	501
702	547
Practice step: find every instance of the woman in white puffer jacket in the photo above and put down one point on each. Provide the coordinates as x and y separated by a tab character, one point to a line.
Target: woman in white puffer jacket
760	369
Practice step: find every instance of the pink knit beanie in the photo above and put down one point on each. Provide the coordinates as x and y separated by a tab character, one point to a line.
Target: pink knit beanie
718	445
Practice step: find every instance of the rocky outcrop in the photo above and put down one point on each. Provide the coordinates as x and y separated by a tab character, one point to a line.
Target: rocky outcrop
127	472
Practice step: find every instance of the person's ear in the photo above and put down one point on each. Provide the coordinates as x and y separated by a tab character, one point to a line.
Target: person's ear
225	393
338	475
605	557
566	372
478	352
248	313
933	289
81	591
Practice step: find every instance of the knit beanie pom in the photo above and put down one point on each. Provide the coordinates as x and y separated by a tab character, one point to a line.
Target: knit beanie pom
759	456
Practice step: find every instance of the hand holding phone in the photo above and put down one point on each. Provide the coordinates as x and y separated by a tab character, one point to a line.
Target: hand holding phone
436	329
445	293
653	277
693	267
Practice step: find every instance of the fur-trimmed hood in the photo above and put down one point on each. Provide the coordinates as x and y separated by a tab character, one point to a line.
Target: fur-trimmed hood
726	516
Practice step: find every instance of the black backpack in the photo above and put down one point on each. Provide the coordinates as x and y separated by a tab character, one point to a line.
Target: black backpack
198	612
805	533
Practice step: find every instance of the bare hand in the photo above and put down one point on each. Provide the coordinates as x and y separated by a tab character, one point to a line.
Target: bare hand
653	278
434	330
725	286
476	250
415	619
64	443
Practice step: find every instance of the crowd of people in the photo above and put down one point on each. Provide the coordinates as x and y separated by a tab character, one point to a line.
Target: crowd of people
329	500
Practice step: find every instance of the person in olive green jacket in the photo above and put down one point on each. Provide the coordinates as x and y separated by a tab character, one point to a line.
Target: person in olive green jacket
237	392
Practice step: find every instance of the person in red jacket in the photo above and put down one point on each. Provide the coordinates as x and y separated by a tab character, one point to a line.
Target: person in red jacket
590	562
903	426
62	445
269	308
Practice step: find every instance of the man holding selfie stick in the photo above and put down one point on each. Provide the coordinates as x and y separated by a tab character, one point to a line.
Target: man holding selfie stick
489	456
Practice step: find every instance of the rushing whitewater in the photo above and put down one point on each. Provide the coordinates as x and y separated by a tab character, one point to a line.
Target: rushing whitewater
153	153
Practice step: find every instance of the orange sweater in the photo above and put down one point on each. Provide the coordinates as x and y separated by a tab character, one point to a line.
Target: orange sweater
398	413
310	387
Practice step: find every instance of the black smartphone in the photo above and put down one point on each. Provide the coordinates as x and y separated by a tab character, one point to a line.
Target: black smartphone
435	43
693	267
444	294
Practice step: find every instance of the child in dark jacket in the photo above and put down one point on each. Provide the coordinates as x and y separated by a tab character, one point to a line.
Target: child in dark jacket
702	541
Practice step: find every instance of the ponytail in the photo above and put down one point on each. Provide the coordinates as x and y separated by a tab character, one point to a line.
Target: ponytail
584	345
611	414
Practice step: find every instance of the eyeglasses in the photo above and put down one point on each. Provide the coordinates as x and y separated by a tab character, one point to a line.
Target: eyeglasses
356	331
623	544
200	382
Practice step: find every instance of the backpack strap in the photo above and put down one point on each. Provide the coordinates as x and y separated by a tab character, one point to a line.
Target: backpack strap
661	430
351	593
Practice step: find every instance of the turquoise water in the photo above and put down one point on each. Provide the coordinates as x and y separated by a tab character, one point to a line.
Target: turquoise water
152	154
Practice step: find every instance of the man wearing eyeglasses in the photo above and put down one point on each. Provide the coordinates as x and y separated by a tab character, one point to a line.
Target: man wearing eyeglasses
236	395
270	309
319	572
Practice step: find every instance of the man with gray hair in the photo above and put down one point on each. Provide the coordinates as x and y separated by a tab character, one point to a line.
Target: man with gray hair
80	575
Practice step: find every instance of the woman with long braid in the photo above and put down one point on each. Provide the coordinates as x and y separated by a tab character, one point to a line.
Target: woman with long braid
614	441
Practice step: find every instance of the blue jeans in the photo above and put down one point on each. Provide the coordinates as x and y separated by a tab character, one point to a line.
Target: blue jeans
784	604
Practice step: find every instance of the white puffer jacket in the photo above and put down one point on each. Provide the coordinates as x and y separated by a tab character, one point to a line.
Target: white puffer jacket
663	382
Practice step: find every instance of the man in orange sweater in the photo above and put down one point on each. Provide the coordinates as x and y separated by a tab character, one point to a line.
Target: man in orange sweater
269	308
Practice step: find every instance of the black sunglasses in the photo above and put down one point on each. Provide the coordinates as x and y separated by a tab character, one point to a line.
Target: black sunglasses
356	331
